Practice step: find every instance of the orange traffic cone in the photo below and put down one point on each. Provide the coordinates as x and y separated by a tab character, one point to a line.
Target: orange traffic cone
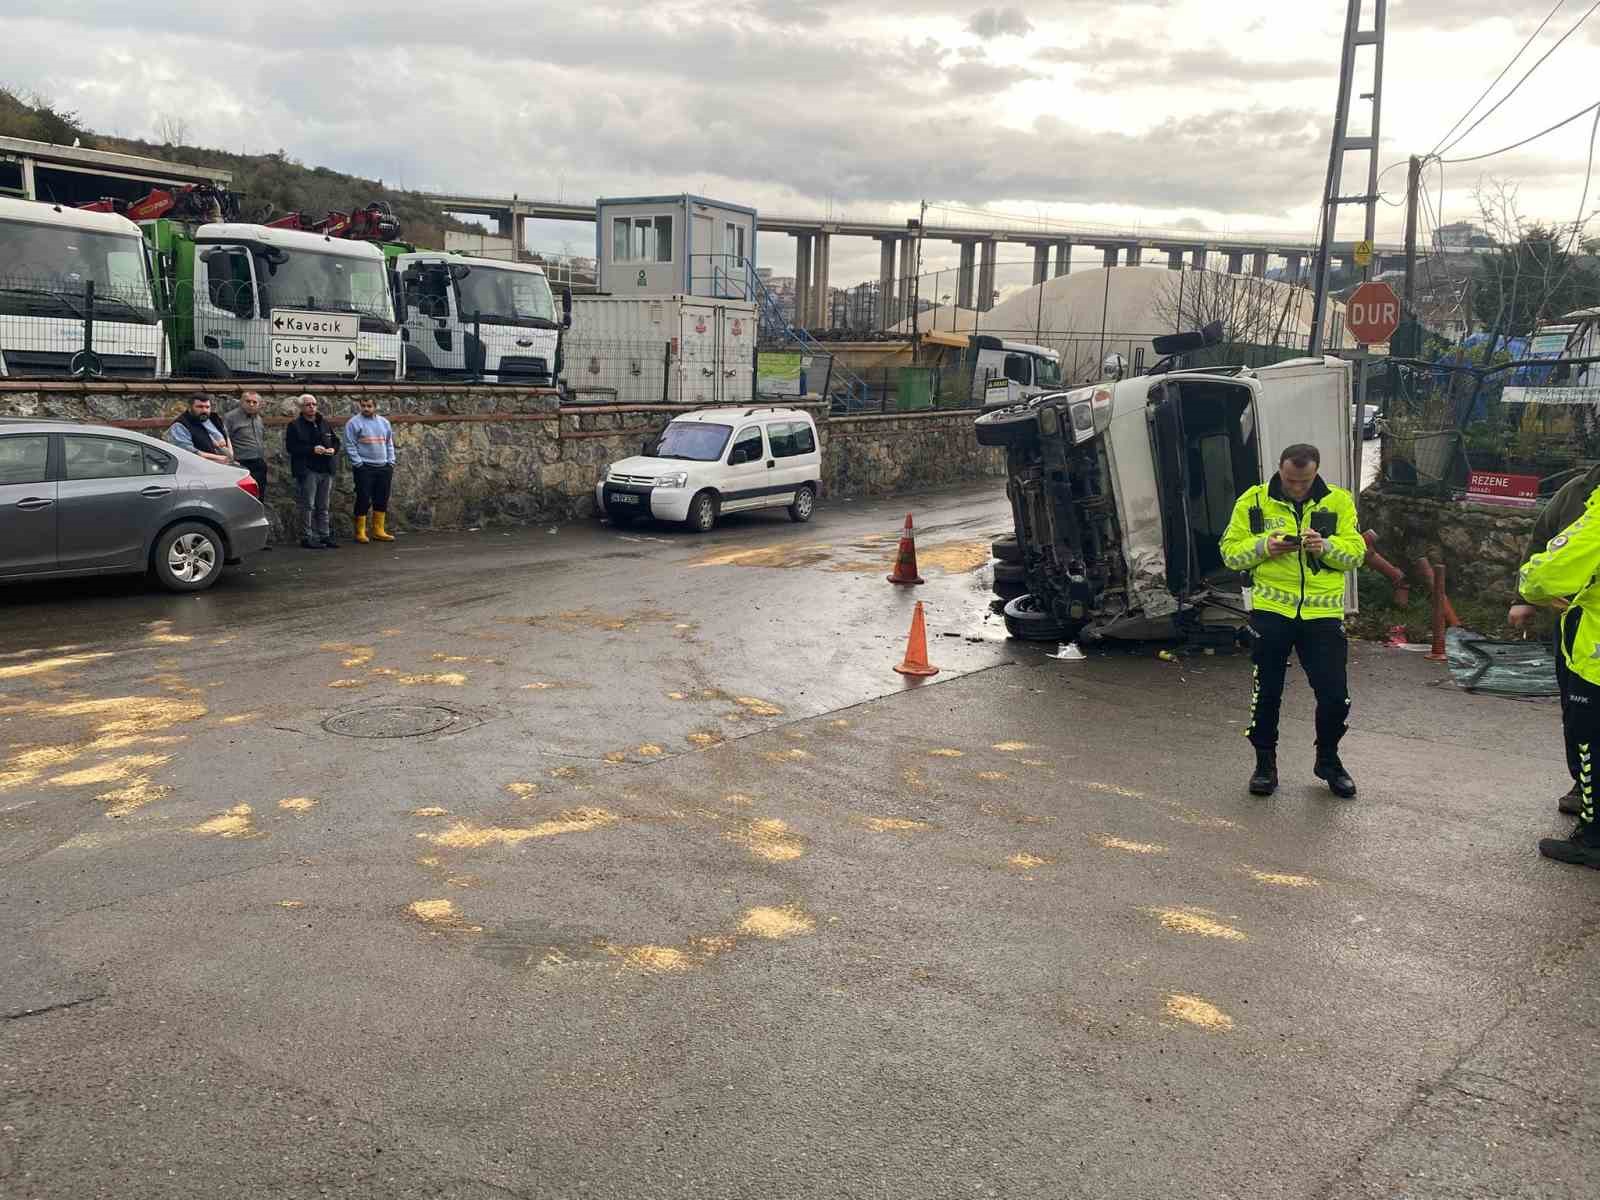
916	662
905	559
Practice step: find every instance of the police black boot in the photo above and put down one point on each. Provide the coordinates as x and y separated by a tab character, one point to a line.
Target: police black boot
1265	780
1331	771
1581	847
1572	803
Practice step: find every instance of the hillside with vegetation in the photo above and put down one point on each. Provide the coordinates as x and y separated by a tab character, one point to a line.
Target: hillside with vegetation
269	184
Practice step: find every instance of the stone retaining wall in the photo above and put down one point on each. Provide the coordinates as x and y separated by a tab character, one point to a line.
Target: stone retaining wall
1481	545
481	455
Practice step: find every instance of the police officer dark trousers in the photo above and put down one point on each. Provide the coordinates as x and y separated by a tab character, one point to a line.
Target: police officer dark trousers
1566	575
1297	537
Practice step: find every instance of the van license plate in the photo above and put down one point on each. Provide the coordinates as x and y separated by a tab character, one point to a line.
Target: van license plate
624	498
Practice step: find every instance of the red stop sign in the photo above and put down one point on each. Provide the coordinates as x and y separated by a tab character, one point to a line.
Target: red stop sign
1373	314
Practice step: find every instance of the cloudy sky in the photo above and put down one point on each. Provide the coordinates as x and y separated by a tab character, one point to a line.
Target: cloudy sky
1208	113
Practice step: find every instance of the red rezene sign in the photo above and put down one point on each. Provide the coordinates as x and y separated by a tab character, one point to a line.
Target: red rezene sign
1493	483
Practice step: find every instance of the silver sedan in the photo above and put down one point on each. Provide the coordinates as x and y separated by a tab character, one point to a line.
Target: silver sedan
94	500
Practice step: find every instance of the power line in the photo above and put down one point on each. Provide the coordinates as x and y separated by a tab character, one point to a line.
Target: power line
1492	109
1498	77
1526	140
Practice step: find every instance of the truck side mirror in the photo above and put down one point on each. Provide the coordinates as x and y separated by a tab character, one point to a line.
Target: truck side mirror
566	308
459	271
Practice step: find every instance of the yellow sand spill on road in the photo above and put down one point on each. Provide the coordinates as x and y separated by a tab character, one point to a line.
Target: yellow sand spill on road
297	804
521	790
656	959
1189	921
757	706
779	555
1009	747
1277	880
793	754
44	665
111	771
444	679
563	772
432	810
132	796
235	823
349	683
955	558
993	776
241	718
291	903
771	840
776	923
703	738
894	824
441	914
946	752
649	750
1116	843
466	836
738	799
169	639
1198	1012
1028	862
615	757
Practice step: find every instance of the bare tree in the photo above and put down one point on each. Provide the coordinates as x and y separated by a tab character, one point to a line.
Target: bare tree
171	130
1251	310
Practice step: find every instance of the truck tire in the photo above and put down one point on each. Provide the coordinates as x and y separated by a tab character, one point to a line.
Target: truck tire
1010	591
197	364
1009	573
1028	621
1017	425
1007	550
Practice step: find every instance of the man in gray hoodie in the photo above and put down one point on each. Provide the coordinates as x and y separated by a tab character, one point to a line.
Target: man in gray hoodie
369	444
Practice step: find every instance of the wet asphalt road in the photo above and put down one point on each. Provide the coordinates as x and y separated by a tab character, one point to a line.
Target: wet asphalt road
682	892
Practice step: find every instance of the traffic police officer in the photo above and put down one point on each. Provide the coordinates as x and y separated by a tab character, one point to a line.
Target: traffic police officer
1566	575
1297	537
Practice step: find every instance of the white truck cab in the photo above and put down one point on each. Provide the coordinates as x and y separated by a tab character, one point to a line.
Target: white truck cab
714	461
480	318
269	301
1010	372
49	257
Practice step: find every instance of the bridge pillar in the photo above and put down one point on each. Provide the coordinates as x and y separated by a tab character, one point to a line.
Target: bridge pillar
964	277
1197	258
519	235
821	298
886	280
1235	262
1133	255
1296	263
986	275
802	280
1174	259
1108	256
1063	258
1041	262
1258	264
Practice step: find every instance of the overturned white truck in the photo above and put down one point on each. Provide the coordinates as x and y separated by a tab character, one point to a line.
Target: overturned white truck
1120	491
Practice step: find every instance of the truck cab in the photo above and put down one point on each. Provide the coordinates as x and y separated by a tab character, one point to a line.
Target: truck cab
253	300
479	318
1574	336
1005	373
1121	491
55	259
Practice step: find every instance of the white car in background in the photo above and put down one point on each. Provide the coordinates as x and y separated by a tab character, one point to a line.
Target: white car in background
715	461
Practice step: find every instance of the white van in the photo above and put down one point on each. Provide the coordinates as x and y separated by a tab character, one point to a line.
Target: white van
718	460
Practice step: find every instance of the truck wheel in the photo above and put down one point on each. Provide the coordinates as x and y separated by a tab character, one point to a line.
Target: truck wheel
1017	425
199	365
188	557
1009	573
805	500
703	513
1007	550
1030	621
1010	591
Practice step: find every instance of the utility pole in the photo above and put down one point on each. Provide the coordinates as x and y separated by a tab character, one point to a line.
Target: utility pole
1341	143
1408	312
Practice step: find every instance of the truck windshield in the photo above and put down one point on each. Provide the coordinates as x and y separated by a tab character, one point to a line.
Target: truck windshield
1047	372
326	283
46	268
696	440
506	297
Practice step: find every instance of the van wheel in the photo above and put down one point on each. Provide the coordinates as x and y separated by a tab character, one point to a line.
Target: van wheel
703	513
188	557
805	502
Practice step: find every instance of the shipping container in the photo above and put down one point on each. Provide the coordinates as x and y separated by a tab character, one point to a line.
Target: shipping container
674	245
660	350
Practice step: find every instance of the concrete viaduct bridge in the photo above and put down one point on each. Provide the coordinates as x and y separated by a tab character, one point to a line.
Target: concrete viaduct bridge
979	244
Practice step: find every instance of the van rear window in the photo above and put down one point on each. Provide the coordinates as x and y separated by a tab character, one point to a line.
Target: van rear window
791	438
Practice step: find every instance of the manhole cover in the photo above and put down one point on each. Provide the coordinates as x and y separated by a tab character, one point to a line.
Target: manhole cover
391	721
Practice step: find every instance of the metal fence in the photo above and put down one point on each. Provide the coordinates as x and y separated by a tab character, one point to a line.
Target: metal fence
54	326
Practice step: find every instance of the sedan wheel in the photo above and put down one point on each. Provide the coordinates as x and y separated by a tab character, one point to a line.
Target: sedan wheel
188	558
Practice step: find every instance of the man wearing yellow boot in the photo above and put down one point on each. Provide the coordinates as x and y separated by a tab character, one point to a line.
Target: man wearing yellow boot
369	441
